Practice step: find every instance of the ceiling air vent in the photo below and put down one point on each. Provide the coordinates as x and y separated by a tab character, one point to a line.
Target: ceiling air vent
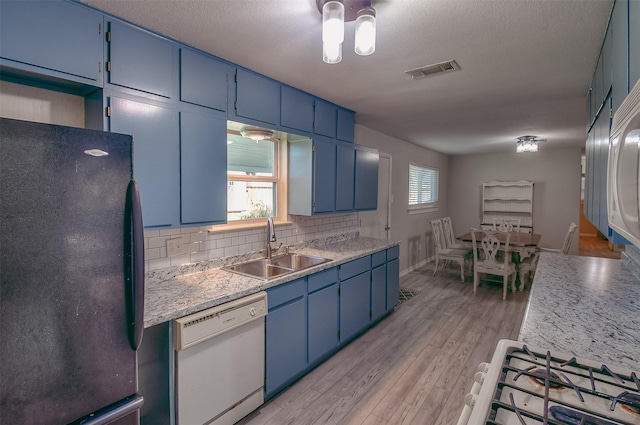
430	70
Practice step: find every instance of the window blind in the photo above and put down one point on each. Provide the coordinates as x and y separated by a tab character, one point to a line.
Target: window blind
423	185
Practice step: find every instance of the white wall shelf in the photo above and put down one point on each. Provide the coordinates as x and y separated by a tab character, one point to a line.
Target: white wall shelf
508	200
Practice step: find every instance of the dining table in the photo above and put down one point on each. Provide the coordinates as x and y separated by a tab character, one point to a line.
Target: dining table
522	245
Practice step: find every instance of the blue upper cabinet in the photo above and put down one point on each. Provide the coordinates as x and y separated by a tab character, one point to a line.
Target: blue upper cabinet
257	97
52	38
203	80
366	180
203	170
296	109
634	42
346	125
324	175
325	115
140	60
156	156
345	168
620	52
607	58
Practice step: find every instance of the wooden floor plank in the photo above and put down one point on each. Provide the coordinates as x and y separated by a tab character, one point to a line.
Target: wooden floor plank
415	366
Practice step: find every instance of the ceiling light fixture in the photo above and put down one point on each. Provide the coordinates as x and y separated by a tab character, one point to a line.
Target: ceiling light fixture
256	134
527	144
334	14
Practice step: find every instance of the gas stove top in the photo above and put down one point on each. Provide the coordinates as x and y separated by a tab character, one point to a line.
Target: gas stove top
525	385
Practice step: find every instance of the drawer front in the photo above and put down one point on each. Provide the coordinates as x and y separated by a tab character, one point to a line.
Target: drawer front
393	253
286	292
322	279
355	267
378	258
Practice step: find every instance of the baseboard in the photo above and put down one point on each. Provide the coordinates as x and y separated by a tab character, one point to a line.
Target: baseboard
416	266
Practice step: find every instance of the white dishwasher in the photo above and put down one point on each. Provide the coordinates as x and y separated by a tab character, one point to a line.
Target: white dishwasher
220	362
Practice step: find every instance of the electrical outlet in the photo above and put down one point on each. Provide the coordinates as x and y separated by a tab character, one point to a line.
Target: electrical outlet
175	247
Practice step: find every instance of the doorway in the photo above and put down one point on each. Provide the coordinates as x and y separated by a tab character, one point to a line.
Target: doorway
377	224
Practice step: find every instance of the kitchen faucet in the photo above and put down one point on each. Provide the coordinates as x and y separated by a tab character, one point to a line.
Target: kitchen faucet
271	235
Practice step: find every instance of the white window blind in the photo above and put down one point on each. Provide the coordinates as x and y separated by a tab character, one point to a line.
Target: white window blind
423	187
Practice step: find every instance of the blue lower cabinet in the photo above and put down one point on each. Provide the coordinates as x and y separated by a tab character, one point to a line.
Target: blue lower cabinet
378	292
323	322
393	283
285	335
355	313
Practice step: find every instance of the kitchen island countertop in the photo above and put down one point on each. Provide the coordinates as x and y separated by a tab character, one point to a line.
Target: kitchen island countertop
586	306
177	296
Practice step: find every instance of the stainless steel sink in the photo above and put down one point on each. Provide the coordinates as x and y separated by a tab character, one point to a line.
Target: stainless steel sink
264	268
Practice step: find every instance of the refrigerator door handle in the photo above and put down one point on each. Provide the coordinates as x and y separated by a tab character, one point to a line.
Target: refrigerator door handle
135	268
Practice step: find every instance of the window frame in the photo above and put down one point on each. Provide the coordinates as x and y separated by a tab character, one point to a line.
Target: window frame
424	207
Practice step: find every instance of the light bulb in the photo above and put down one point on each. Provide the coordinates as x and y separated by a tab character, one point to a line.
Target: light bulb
333	23
331	53
365	43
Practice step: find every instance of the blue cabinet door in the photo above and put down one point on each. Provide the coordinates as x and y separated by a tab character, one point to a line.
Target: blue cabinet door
355	312
156	156
366	181
346	125
345	175
324	175
203	80
323	321
607	59
285	335
203	170
296	109
140	60
393	283
257	97
634	43
620	52
378	292
54	36
325	116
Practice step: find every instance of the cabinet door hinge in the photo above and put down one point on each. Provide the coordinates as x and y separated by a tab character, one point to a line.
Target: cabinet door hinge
99	28
313	148
235	77
235	105
108	36
107	111
107	66
313	203
338	294
99	66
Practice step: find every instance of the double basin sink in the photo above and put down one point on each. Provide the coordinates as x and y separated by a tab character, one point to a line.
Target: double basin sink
268	268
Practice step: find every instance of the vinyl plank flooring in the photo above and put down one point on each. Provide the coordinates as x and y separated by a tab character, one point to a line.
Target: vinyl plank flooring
414	367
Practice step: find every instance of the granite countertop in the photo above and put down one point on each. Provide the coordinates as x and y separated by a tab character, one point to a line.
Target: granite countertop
172	295
586	306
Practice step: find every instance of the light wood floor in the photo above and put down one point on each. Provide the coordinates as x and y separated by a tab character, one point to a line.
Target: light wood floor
414	367
592	246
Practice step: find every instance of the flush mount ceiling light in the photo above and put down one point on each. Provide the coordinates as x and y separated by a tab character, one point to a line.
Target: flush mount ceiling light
334	14
256	134
527	144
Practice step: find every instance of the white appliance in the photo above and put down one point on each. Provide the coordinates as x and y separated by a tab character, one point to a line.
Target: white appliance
526	385
623	175
220	362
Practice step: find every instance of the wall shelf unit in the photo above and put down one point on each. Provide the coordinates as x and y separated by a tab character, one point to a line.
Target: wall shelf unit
508	200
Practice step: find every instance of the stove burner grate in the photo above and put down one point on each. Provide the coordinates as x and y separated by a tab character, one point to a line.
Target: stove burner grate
539	376
629	402
572	417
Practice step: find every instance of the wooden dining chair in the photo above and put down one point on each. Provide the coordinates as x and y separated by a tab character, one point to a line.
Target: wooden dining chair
444	254
506	224
485	259
449	236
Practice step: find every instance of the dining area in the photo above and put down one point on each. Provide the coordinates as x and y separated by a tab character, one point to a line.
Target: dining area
499	249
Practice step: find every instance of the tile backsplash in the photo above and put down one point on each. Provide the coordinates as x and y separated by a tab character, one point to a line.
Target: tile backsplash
201	245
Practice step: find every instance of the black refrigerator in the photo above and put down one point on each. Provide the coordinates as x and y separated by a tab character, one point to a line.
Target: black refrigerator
71	276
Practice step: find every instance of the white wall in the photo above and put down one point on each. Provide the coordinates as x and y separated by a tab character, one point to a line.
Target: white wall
412	230
556	190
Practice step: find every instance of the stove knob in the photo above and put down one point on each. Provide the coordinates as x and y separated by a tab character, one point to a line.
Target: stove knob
470	399
252	311
479	377
483	367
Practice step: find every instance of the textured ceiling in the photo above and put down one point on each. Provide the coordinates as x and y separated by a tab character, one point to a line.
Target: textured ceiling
525	65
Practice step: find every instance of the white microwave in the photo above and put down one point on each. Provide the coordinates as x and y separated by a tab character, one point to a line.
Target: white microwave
623	172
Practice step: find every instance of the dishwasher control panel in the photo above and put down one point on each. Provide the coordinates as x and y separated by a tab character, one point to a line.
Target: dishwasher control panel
198	327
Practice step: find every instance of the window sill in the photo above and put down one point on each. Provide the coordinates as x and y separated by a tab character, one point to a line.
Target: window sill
420	209
245	226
